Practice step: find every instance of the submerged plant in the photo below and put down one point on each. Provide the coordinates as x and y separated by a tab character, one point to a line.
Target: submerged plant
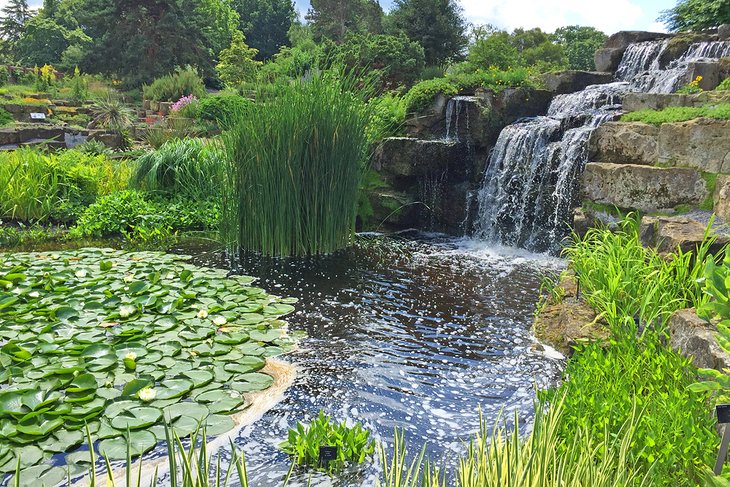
295	164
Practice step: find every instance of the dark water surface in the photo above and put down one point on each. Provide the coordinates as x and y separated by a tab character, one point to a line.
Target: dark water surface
416	333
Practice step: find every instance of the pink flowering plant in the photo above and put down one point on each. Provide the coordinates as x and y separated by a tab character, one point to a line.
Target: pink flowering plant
183	102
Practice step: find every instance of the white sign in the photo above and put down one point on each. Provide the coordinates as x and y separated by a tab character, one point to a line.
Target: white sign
38	116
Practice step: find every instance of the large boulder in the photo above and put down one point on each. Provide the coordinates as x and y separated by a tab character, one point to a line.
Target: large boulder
669	233
645	188
562	82
723	32
721	198
405	157
657	101
697	338
625	142
703	144
708	73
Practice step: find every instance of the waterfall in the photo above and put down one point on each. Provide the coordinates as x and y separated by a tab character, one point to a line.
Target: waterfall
530	185
454	108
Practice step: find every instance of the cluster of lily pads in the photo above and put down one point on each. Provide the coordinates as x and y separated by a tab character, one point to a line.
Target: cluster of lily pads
121	344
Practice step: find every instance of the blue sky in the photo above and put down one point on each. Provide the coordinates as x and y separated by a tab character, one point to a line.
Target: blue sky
607	15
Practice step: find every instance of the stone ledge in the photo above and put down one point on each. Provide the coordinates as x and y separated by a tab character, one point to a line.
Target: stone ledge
645	188
695	337
562	82
667	233
656	101
625	142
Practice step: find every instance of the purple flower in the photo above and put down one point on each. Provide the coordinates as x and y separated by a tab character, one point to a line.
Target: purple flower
182	102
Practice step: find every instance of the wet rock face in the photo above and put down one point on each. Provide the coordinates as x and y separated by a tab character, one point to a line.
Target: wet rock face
625	143
721	198
669	233
702	144
646	188
562	82
695	337
609	56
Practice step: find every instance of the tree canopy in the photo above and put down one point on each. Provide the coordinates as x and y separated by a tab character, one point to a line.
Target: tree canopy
265	23
334	19
579	44
696	15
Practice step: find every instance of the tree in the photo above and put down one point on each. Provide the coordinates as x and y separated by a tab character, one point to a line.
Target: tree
493	48
696	15
44	41
50	8
396	60
333	19
14	16
266	24
237	64
580	44
139	40
435	24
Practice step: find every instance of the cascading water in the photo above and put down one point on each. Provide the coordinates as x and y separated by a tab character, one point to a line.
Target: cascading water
530	184
454	109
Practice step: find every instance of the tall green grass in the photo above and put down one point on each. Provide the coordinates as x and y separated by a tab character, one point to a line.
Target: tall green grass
35	186
190	168
295	164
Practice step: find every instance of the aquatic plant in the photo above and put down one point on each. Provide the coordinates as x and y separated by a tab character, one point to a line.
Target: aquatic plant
294	167
353	443
88	335
190	168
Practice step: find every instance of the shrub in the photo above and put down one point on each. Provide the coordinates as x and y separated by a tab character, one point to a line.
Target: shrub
188	167
692	87
219	109
4	76
113	114
175	85
719	111
36	186
294	167
237	64
389	114
5	117
724	85
184	102
353	442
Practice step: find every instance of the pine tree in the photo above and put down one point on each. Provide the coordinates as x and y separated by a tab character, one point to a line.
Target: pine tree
14	17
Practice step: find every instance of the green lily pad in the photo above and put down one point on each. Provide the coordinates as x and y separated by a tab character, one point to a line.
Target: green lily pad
136	442
136	418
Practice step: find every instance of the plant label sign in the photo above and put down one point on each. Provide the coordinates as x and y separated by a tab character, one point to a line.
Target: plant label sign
327	454
723	413
37	116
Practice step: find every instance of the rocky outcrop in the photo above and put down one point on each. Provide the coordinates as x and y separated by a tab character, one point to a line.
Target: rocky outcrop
703	144
656	101
625	142
561	82
697	338
669	233
721	198
646	188
709	75
609	56
406	157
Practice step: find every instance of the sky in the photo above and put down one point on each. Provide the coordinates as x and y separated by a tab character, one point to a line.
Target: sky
607	15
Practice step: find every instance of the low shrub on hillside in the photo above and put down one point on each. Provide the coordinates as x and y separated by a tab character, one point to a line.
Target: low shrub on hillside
174	86
721	111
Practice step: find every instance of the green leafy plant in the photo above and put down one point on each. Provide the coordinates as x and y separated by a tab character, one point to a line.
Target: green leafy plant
6	118
112	114
720	111
353	443
294	168
219	110
724	85
175	85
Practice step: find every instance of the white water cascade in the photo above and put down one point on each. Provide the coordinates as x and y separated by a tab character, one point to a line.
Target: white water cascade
531	181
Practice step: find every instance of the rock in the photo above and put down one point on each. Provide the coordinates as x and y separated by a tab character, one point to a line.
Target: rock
621	40
655	101
165	107
710	74
9	136
723	32
625	142
702	143
608	58
391	210
695	337
109	139
678	45
668	233
721	198
405	157
562	82
646	188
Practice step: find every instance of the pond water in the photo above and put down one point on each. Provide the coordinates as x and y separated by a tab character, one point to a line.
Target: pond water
416	333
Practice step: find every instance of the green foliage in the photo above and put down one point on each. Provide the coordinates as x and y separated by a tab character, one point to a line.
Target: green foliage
237	64
694	15
190	168
394	60
580	44
266	24
621	279
79	85
533	47
388	116
423	94
174	86
135	216
20	235
6	118
353	442
437	25
720	111
220	109
295	164
674	434
15	14
113	114
724	85
37	187
44	41
334	19
494	50
691	88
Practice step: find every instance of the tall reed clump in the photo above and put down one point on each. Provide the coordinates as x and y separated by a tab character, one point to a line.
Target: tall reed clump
190	168
295	164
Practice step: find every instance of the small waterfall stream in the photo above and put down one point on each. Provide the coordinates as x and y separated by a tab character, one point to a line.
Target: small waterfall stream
530	185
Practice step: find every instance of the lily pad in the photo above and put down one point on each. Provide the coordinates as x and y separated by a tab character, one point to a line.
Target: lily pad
136	442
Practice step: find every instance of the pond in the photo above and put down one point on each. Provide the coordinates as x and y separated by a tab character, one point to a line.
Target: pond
416	332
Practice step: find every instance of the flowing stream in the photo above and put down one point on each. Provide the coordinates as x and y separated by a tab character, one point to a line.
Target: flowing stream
530	185
414	333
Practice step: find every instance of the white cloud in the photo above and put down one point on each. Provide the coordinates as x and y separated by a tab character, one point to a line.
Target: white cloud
607	16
